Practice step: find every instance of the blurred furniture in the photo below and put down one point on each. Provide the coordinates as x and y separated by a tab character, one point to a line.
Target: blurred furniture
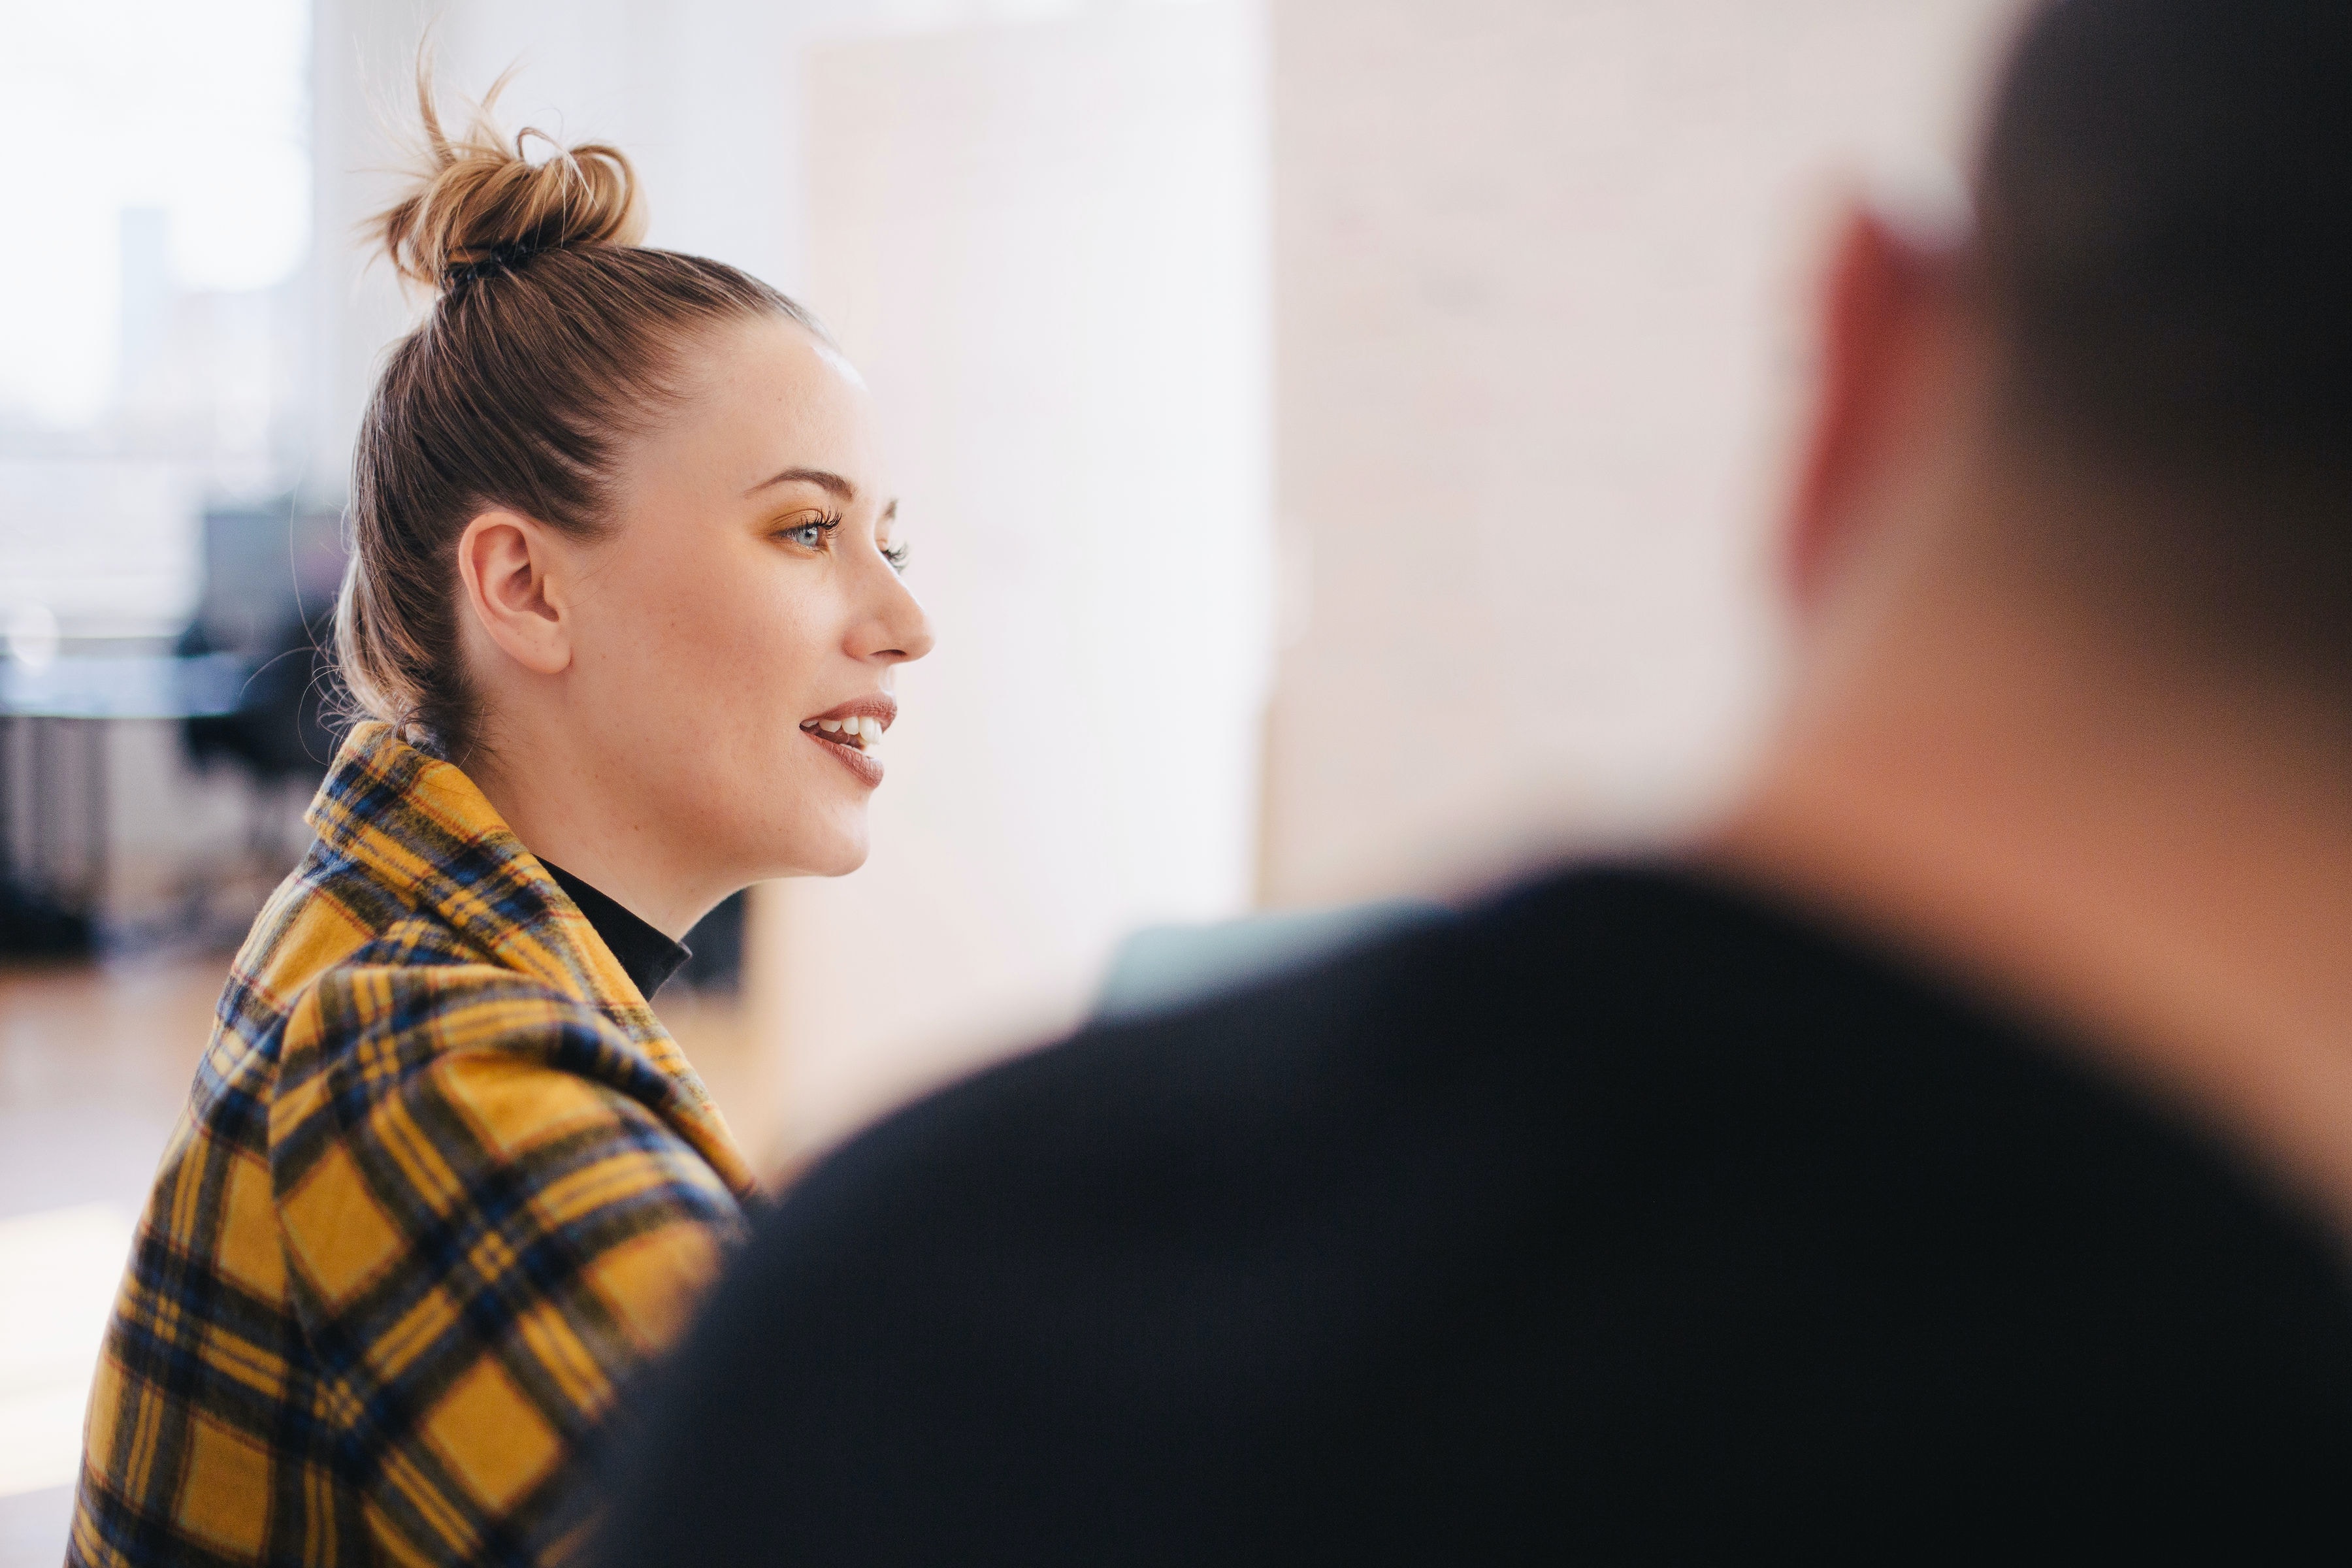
246	683
1163	968
283	725
52	811
270	577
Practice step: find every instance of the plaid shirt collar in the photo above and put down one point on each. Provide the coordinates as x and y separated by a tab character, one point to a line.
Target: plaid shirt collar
419	828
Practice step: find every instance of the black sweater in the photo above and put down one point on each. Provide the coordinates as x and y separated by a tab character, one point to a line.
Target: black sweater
646	955
1622	1217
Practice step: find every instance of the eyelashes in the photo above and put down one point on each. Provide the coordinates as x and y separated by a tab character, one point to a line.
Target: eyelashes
812	535
817	534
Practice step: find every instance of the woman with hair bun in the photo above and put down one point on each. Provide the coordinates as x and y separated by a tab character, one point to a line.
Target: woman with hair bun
622	611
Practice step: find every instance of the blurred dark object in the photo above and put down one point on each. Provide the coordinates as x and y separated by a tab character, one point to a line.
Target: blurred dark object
54	720
271	575
717	944
52	827
283	725
34	926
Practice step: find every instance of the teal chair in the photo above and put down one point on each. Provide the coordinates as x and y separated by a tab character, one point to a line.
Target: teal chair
1160	969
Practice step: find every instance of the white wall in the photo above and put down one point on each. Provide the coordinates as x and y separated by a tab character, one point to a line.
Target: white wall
1538	329
699	93
707	97
1044	245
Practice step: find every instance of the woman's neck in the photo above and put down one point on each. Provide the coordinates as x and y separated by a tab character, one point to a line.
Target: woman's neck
565	810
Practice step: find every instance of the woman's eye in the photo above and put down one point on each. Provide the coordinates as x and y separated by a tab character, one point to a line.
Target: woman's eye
810	535
897	555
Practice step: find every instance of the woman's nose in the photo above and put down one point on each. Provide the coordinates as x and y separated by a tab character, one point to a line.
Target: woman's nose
899	630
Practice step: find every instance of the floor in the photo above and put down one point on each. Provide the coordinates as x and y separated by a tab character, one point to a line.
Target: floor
94	1063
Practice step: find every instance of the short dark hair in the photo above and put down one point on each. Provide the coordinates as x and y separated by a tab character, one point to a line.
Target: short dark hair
2165	217
2164	241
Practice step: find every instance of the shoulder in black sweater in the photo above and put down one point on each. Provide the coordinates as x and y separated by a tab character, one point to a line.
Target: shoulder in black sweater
1625	1216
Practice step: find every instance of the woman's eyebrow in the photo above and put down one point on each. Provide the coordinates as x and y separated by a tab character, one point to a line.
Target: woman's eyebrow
818	476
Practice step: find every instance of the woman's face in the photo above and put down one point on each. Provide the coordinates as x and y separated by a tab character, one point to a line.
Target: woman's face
736	632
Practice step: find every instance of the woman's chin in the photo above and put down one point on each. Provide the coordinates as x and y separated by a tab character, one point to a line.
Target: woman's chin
842	865
819	827
836	852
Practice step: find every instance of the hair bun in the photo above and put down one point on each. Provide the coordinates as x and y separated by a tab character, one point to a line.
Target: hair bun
479	203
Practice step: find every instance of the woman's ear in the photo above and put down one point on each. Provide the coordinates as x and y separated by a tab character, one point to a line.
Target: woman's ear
508	564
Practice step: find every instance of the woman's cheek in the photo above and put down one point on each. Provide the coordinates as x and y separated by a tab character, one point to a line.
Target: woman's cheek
786	631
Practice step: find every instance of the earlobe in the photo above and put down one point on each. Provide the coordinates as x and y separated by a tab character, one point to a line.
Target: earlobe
507	565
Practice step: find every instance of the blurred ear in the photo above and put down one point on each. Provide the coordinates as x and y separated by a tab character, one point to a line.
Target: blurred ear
1881	302
506	561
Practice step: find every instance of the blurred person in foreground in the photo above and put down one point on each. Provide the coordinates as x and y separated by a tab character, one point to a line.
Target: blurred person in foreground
1955	1144
622	613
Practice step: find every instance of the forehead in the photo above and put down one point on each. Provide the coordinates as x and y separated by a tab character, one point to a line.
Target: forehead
767	395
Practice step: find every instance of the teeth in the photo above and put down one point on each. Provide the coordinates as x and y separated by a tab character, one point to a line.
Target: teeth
861	731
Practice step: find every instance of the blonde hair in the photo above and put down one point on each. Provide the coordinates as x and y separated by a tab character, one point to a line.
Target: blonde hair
552	338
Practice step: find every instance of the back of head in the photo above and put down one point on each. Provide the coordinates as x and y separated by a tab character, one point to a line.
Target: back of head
2165	213
554	338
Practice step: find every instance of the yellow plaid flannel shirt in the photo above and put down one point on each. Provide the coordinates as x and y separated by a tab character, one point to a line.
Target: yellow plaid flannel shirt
443	1183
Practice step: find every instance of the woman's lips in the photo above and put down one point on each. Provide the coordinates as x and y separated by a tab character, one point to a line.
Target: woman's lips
853	732
853	754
